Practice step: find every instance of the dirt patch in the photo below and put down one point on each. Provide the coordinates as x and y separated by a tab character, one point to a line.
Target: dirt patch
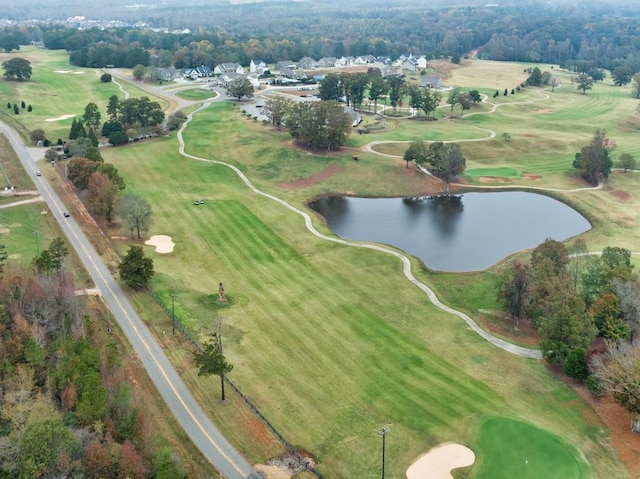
272	472
445	67
501	326
531	176
494	179
313	179
258	430
618	422
620	195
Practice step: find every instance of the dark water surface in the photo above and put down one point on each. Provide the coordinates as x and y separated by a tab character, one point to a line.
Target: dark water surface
467	232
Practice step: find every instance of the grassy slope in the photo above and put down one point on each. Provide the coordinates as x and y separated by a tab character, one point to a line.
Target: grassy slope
53	94
331	342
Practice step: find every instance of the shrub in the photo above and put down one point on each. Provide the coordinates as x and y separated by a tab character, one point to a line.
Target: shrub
29	108
576	365
105	78
595	386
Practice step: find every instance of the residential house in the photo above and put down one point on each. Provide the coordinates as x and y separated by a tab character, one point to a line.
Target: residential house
258	66
196	72
430	81
167	74
292	74
384	60
410	64
421	61
391	70
365	59
286	64
327	62
345	61
228	68
307	63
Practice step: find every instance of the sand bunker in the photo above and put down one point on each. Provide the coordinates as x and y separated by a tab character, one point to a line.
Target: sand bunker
162	243
58	118
439	461
77	73
62	71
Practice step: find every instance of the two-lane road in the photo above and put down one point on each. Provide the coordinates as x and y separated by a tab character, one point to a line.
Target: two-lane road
173	390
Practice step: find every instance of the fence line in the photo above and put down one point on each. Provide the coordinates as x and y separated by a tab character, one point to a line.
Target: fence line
247	401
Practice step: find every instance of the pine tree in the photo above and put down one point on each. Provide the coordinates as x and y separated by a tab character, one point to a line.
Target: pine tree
92	137
73	132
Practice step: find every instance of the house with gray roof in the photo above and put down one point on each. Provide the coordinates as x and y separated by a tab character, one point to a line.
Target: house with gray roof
228	68
327	62
430	81
307	63
258	66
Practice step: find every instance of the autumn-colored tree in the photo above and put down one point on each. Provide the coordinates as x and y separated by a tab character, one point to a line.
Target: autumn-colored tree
79	170
131	464
97	460
515	292
103	195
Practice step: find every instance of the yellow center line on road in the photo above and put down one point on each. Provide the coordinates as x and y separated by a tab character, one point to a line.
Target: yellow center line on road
155	360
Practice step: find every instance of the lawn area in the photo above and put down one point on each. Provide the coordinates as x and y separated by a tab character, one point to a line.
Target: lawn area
196	94
332	342
57	92
526	452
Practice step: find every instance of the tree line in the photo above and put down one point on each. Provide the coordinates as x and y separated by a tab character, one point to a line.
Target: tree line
67	408
575	36
572	297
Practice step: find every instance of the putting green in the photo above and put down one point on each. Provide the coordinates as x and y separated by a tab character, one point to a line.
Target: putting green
503	172
510	448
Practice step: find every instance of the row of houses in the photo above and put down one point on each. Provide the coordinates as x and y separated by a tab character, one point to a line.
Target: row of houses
295	70
408	62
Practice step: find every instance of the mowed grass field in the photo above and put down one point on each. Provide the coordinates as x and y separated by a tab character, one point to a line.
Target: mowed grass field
56	89
332	342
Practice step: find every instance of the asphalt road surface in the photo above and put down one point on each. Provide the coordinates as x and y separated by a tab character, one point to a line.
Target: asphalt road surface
182	404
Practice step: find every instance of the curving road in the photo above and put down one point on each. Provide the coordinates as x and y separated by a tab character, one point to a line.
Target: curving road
182	404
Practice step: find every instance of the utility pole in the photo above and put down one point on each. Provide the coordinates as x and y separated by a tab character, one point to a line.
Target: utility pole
383	432
173	311
221	355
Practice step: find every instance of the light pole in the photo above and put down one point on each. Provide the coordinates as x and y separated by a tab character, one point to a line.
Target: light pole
383	432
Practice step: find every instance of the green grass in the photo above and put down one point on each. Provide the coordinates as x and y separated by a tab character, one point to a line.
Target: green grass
56	88
25	230
332	342
503	172
517	449
196	94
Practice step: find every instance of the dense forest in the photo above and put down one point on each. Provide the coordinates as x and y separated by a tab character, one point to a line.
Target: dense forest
67	406
587	36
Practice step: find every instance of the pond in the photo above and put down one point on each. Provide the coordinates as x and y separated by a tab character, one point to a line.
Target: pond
457	233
